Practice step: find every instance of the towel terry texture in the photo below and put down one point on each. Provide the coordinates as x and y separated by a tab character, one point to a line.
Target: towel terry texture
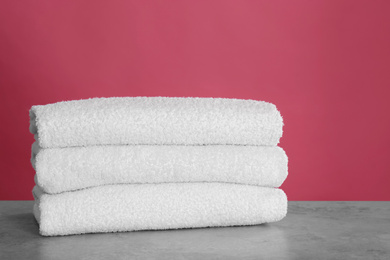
59	170
156	120
115	208
147	163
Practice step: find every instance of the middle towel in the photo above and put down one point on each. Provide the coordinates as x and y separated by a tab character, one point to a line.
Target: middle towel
59	170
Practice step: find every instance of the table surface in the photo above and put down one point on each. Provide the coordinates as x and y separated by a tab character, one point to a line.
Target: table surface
311	230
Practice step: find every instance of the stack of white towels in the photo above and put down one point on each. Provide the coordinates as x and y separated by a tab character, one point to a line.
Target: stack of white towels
147	163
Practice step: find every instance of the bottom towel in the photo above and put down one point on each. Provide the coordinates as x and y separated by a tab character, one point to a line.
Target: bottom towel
115	208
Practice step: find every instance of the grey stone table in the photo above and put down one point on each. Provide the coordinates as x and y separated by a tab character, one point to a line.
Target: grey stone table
311	230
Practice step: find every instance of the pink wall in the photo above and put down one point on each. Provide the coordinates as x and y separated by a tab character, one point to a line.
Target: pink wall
325	64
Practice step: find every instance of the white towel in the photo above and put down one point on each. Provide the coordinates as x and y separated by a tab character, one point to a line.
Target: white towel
156	120
115	208
60	170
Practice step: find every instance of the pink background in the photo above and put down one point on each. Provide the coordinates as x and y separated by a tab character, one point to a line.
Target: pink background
325	64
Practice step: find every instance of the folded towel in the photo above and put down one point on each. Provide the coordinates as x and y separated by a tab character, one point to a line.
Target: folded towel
59	170
132	207
156	120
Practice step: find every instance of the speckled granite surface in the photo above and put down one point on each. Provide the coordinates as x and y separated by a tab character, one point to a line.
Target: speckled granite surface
311	230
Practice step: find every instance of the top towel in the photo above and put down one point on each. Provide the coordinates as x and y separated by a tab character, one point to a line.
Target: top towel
156	121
